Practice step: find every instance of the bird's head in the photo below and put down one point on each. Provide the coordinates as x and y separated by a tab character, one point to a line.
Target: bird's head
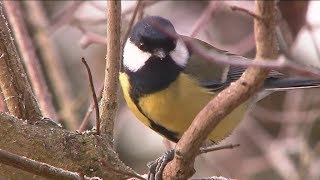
153	37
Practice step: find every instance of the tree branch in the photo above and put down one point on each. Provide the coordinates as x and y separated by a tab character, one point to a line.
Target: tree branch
53	145
30	58
133	17
236	8
181	167
65	15
36	167
94	38
109	97
53	63
205	17
14	82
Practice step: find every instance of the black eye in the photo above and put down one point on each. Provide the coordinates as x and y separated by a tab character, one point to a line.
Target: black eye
141	46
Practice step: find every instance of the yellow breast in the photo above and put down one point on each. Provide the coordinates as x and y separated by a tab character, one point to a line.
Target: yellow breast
176	106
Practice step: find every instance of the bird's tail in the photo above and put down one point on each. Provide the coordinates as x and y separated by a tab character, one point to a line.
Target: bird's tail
291	83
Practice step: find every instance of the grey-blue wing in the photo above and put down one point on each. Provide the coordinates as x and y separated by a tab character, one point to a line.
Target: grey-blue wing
216	77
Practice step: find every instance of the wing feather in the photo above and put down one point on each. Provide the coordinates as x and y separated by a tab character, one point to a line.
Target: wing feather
213	76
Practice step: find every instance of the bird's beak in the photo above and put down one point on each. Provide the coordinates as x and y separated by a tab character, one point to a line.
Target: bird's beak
160	53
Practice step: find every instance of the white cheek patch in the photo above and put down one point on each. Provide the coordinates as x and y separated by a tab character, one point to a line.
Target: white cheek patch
133	57
180	54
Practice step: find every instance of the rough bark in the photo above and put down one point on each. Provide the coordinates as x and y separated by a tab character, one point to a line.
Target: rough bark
111	83
88	154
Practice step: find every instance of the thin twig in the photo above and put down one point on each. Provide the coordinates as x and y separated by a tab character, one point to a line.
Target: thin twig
65	15
274	152
31	59
97	6
86	118
35	167
243	46
109	100
216	148
14	82
133	17
141	11
132	8
94	96
246	11
95	38
205	17
89	38
53	64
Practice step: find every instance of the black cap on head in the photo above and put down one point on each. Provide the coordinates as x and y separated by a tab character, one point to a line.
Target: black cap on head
154	32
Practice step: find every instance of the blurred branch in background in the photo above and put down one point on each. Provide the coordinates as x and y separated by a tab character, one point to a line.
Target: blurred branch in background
273	151
53	64
294	13
15	87
205	17
65	15
131	22
31	60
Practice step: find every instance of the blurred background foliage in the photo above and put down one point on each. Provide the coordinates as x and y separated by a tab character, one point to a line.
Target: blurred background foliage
279	136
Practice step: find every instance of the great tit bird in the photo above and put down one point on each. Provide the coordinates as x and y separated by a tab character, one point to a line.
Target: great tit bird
166	85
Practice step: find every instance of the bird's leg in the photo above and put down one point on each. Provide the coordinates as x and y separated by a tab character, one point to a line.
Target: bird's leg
156	167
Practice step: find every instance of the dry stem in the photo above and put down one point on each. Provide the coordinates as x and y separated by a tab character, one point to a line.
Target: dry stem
65	15
94	96
30	58
109	97
216	148
53	64
36	167
14	82
133	17
86	118
205	17
236	8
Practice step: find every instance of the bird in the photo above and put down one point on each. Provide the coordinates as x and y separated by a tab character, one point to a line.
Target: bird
166	84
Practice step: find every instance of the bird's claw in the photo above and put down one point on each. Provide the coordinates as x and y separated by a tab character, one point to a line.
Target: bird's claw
156	167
